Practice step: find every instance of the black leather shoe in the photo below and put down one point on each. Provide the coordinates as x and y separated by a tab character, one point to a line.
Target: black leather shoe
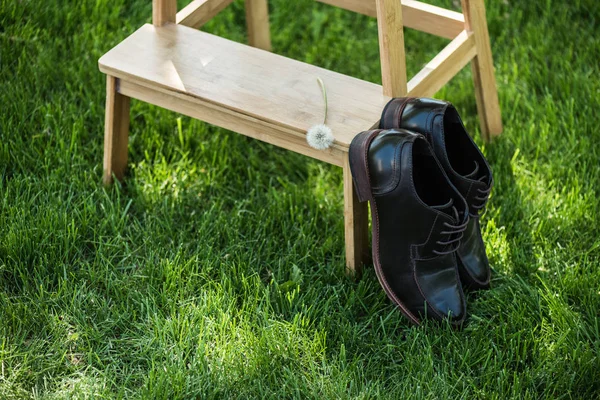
466	167
418	219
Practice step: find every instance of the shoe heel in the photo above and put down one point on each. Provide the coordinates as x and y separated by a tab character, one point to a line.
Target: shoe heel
359	164
391	117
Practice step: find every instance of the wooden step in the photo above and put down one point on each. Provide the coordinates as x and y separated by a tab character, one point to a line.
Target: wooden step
245	81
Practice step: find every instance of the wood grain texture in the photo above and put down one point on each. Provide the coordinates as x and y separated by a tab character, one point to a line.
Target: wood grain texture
416	15
356	225
163	12
444	66
199	12
391	48
248	81
365	7
482	66
220	116
116	132
257	21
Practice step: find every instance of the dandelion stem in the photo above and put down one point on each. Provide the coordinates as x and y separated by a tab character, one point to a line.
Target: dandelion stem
322	85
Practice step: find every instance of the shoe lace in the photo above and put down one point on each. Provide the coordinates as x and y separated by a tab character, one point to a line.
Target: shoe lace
454	233
482	196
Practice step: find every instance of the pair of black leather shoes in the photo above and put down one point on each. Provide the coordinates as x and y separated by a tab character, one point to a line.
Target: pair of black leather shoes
427	182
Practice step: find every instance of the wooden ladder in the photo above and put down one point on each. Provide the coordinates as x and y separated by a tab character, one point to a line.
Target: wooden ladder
251	91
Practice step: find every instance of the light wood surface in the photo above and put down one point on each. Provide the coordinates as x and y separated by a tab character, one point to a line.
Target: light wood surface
199	12
444	66
220	116
356	225
246	80
116	132
163	11
391	47
365	7
416	15
257	21
486	91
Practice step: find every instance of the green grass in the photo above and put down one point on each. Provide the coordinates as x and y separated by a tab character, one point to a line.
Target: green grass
217	269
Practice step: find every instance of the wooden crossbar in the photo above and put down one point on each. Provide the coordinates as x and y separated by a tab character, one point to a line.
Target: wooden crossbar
416	15
194	107
199	12
444	66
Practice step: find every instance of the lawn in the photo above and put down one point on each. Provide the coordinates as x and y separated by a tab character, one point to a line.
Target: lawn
217	269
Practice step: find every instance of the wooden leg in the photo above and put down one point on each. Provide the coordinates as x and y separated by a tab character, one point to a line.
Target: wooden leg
356	223
486	91
257	19
163	12
116	132
391	47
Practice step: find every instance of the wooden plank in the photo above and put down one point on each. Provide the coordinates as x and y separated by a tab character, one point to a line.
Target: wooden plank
365	7
246	80
257	20
356	225
231	120
199	12
416	15
431	19
444	66
482	66
163	11
116	132
391	47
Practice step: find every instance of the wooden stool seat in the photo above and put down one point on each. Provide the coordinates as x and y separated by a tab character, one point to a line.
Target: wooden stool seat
251	91
249	84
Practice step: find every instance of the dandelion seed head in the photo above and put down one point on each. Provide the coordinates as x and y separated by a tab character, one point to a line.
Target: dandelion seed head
319	137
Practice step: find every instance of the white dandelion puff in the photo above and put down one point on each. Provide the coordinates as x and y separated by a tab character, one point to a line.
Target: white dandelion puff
320	136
